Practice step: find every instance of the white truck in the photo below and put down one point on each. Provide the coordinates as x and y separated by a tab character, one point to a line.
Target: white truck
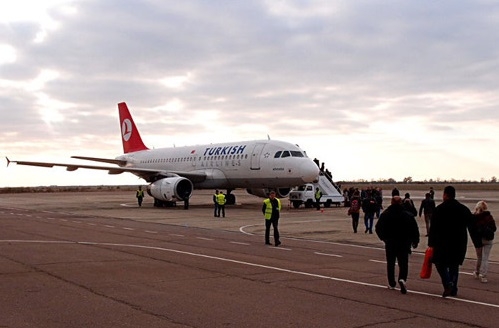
305	194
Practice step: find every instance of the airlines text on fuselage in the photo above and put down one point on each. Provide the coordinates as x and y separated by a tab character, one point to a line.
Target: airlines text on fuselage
228	150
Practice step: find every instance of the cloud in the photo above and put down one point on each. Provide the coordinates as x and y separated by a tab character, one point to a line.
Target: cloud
370	85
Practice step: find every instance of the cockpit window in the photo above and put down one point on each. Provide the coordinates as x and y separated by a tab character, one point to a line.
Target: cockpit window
289	153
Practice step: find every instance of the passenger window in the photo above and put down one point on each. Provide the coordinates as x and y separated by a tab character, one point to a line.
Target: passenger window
285	154
278	154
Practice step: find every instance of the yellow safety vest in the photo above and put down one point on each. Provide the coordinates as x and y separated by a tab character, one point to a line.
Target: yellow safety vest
268	208
221	199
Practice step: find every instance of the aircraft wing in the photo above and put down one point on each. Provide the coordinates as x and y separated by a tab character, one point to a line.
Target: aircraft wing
149	175
103	160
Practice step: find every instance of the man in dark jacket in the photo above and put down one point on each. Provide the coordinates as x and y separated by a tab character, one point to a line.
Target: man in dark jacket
369	206
449	238
399	231
427	207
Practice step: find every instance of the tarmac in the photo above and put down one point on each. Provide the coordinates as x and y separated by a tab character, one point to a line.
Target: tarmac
327	225
97	259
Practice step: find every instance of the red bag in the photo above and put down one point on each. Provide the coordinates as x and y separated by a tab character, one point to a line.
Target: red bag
426	269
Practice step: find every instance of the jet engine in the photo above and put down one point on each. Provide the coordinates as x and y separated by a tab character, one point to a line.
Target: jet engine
171	189
264	193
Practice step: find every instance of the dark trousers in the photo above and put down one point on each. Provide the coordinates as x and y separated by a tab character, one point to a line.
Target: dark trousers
274	223
368	221
449	274
401	255
215	213
139	200
318	204
355	221
221	208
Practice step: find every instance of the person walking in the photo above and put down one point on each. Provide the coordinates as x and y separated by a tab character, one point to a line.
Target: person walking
427	207
399	231
369	206
318	195
482	232
409	204
378	196
271	210
354	210
448	236
221	204
215	202
139	194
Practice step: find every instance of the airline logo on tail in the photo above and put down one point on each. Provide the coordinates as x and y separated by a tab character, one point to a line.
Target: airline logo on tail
130	135
126	129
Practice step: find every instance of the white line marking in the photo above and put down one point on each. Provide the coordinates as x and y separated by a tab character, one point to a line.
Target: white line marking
325	254
108	226
203	238
91	224
149	231
131	229
239	243
377	261
256	265
129	205
176	235
241	229
279	248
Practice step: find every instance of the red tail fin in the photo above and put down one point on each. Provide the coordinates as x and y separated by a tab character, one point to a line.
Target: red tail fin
129	133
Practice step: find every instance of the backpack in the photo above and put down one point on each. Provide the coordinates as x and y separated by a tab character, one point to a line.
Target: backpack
354	206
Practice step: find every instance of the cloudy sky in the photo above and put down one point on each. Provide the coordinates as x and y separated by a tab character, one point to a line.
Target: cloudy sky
375	89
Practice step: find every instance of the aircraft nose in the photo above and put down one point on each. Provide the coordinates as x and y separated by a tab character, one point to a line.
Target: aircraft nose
309	172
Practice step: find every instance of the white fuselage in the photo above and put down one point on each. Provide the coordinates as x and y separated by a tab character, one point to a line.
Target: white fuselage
249	164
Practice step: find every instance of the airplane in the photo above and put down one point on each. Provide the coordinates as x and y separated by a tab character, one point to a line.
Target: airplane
173	173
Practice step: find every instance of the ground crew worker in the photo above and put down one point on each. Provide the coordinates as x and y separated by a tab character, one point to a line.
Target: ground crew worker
271	210
318	195
140	195
215	202
186	199
221	204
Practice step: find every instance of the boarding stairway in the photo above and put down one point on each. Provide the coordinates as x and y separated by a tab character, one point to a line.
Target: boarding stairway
329	188
327	185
